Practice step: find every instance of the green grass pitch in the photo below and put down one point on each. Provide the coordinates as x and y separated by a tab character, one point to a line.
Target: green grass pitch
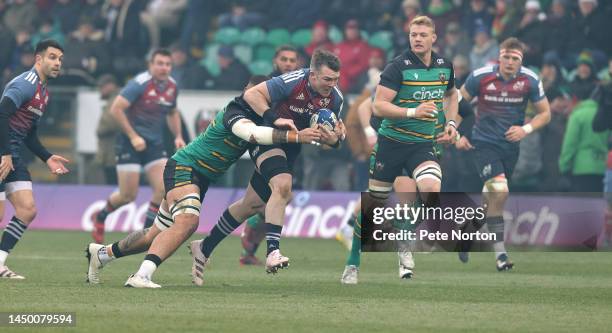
547	292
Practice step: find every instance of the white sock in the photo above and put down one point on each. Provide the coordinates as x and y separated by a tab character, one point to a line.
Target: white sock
499	248
103	255
147	268
3	255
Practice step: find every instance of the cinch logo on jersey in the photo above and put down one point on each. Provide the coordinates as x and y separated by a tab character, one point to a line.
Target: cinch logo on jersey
427	95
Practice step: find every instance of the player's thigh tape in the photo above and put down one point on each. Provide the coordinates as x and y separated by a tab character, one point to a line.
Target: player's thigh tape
163	220
380	192
2	196
160	161
189	204
18	186
272	166
429	171
496	184
128	167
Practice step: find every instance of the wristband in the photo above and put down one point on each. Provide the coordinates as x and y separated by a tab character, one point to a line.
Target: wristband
527	128
452	123
411	112
369	131
292	137
269	116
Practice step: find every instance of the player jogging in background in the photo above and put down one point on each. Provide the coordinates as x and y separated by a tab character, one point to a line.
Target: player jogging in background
187	176
284	61
503	92
413	88
23	103
287	100
140	109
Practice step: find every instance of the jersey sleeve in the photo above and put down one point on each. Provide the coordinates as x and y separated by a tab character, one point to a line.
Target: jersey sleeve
20	91
280	87
132	91
391	77
451	81
536	90
471	85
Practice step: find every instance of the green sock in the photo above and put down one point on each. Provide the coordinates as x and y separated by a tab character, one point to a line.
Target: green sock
254	220
355	254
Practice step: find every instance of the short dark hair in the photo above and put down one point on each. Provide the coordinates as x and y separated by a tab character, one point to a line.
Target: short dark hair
162	52
283	48
43	45
257	79
322	57
513	43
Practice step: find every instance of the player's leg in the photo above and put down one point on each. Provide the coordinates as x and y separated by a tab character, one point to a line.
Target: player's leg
2	200
154	171
185	203
345	233
201	250
136	242
20	195
405	188
274	167
128	177
253	234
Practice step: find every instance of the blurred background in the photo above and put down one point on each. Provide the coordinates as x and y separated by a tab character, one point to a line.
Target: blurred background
216	45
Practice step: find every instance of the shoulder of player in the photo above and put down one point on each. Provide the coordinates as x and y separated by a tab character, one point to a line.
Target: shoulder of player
172	80
142	78
440	61
482	71
528	72
293	76
26	82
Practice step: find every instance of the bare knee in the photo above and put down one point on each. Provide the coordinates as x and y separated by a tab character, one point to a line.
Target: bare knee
26	212
281	186
127	196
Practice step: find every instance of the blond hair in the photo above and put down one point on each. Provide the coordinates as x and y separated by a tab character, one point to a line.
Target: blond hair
423	20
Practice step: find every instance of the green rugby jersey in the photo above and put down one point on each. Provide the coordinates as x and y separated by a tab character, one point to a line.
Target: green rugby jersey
416	83
213	151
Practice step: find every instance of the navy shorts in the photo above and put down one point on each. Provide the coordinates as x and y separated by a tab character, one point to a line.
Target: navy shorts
492	160
391	159
272	167
126	154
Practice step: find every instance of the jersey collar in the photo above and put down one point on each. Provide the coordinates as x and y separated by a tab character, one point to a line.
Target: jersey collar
501	77
416	60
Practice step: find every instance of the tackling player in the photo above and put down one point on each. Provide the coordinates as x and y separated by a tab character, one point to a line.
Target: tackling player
23	103
503	92
140	110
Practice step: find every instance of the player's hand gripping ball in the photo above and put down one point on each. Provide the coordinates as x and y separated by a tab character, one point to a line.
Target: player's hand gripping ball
324	117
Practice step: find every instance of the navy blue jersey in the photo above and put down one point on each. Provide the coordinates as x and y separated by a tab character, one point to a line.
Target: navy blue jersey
150	102
501	104
293	98
30	96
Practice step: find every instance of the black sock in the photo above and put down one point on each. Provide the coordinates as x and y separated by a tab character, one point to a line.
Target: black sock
104	212
116	251
151	214
154	258
273	234
12	233
351	221
227	223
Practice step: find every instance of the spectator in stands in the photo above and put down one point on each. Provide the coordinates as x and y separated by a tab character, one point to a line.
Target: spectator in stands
410	10
584	152
506	19
557	26
48	29
606	76
7	45
285	60
461	66
195	23
107	129
585	81
21	15
66	13
25	53
87	53
234	74
485	50
589	30
187	73
532	32
557	92
239	17
93	10
162	15
443	13
320	38
350	52
454	42
476	16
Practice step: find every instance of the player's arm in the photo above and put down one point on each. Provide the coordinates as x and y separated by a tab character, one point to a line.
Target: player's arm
120	104
384	107
364	114
450	103
174	123
7	108
465	94
54	162
260	99
541	119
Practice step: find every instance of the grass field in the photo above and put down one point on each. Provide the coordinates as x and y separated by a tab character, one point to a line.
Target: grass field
547	292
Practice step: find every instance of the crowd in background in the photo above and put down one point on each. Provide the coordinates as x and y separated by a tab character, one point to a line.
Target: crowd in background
568	45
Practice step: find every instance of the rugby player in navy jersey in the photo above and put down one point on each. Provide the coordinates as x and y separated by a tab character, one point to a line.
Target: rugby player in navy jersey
503	92
140	109
23	103
289	101
284	61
